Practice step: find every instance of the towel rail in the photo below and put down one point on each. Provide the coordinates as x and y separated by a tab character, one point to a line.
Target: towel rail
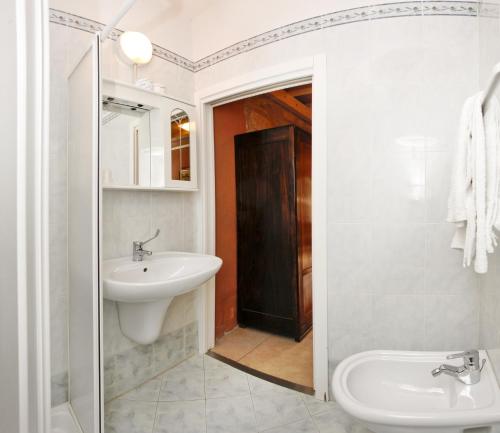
492	84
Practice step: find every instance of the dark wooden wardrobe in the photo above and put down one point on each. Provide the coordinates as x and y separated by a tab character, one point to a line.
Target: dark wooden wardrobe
273	202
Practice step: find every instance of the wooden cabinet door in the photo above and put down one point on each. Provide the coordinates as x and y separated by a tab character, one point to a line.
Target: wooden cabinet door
303	160
266	230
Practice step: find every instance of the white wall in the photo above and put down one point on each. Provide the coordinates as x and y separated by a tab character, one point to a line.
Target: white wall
394	283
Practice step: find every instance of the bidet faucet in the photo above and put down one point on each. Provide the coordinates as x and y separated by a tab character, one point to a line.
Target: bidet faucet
469	373
139	252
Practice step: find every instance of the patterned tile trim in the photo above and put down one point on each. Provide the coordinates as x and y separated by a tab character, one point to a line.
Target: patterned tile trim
388	10
489	10
88	25
348	16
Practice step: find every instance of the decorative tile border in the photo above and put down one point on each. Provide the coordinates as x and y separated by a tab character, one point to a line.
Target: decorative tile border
348	16
450	8
88	25
388	10
489	10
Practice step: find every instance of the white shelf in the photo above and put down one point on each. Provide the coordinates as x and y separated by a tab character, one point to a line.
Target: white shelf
145	188
151	92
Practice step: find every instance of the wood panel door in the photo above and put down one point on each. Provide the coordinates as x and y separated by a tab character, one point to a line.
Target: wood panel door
269	284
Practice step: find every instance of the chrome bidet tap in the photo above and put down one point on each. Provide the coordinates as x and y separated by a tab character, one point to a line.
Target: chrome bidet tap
138	252
469	373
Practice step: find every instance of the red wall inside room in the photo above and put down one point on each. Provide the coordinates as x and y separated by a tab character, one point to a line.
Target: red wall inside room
229	120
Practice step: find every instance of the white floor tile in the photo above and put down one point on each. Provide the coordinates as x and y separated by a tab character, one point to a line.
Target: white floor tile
335	420
304	426
275	409
204	395
225	382
147	392
180	417
129	416
260	386
183	384
314	405
231	415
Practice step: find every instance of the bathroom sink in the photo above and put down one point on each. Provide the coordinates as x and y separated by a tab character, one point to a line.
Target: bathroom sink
158	276
145	289
394	392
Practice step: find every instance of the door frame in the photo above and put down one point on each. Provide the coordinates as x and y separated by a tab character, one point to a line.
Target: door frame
300	71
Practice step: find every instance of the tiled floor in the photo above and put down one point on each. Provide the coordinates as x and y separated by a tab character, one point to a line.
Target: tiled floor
203	395
271	354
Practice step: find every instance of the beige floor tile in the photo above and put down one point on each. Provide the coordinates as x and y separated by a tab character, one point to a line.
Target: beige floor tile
239	342
284	358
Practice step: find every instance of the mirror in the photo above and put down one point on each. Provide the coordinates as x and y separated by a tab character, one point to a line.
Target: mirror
180	145
148	141
126	143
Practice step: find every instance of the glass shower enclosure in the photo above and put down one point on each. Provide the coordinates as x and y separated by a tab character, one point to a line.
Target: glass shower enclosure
84	198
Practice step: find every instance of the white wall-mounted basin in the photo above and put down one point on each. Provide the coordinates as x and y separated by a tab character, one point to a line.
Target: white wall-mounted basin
144	290
394	392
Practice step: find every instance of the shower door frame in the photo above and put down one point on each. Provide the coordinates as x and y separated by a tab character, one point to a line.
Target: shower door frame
28	203
93	315
301	71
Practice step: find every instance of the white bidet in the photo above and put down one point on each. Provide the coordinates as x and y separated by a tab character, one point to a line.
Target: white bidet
395	392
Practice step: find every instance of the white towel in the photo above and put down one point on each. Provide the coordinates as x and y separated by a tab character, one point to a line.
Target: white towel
492	140
460	205
473	202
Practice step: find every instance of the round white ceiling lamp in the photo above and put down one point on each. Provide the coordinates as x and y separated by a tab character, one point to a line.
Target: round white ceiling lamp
136	47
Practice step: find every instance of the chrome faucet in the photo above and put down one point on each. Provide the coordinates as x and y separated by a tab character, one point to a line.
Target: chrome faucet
139	252
469	373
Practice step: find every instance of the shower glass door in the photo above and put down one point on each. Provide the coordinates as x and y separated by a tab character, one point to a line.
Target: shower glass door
83	239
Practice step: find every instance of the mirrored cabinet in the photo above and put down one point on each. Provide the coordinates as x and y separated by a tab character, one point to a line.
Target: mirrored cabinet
180	149
147	140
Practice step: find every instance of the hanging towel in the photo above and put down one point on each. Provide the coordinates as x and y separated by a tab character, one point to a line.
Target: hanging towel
461	207
492	140
473	202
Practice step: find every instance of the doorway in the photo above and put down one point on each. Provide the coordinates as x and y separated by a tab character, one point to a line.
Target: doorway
263	293
289	74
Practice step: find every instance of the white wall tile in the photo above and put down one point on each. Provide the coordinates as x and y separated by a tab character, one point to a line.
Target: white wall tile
451	321
349	261
398	254
398	322
444	271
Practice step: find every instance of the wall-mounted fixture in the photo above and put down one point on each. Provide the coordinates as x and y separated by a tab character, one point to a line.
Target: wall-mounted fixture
137	48
145	289
148	140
